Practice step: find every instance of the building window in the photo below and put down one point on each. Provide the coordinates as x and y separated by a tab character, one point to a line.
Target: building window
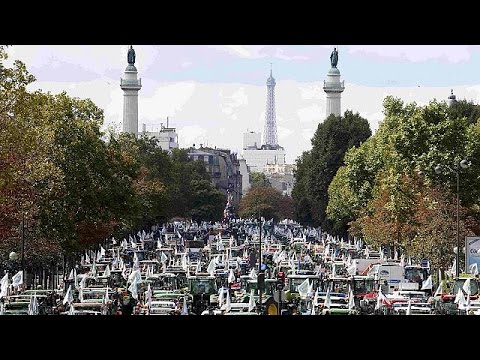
200	158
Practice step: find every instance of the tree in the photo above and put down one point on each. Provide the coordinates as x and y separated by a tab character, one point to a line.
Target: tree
259	179
378	191
331	140
261	201
300	195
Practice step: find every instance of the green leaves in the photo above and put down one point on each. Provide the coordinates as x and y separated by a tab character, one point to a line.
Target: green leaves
317	168
389	190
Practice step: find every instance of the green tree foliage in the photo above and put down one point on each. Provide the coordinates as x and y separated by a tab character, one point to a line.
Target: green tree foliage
71	188
259	179
316	168
263	201
388	190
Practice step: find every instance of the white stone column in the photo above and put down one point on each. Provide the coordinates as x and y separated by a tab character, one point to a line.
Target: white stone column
333	87
130	86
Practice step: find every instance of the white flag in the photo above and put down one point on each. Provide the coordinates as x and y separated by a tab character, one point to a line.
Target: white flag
381	299
107	298
71	277
328	302
185	307
473	269
315	298
251	301
149	296
439	290
351	300
102	251
409	308
459	299
220	297
4	286
33	306
68	296
466	287
231	276
133	288
427	284
107	271
211	268
303	288
228	305
17	279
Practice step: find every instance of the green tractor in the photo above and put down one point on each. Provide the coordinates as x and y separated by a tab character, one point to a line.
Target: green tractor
203	289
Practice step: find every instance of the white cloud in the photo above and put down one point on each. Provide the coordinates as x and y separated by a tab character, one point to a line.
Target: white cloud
311	113
416	53
167	100
307	135
95	58
229	103
192	134
280	54
283	132
239	50
310	92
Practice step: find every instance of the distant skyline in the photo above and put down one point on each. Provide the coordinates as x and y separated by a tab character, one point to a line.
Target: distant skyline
213	94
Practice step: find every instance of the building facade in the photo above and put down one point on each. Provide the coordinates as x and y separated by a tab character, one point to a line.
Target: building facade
224	168
245	172
167	136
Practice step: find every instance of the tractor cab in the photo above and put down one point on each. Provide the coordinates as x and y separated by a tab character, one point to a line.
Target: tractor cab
201	287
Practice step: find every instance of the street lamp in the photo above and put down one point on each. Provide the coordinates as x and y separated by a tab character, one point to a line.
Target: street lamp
463	164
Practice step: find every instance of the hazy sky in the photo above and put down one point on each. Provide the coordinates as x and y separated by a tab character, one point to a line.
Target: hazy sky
212	94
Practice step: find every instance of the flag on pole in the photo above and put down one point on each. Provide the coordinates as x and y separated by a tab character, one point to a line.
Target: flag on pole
70	277
220	297
409	308
351	300
17	279
107	271
251	301
185	307
107	298
439	290
68	296
315	298
102	251
148	297
303	288
473	269
33	306
459	299
231	277
427	284
466	287
328	302
133	288
4	286
228	305
211	268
